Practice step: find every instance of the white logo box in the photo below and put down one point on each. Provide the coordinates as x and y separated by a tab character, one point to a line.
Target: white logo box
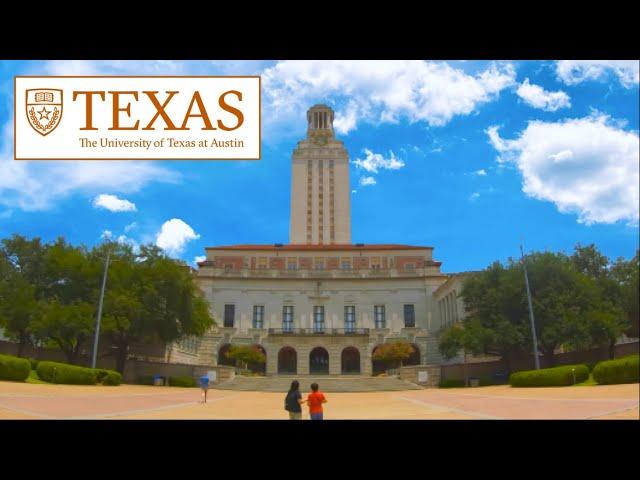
225	137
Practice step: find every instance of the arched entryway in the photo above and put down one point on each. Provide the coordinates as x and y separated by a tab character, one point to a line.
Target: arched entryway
350	360
378	366
319	361
261	367
287	361
222	356
414	358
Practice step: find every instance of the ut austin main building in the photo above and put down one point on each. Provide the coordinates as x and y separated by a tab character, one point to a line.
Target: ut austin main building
322	304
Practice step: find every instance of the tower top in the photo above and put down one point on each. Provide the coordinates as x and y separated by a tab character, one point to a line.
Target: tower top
320	121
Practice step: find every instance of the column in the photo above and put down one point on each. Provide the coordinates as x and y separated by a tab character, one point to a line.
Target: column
272	359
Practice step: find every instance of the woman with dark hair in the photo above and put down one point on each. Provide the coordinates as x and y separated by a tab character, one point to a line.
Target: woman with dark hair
293	400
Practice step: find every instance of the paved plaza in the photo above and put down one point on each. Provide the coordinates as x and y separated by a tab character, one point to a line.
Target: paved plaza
28	401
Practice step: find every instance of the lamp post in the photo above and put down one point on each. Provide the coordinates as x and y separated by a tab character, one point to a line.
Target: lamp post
99	317
531	318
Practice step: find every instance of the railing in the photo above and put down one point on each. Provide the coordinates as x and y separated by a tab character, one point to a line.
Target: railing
307	273
315	331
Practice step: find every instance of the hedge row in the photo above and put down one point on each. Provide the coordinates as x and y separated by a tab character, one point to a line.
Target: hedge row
182	382
54	372
550	377
14	368
108	377
621	370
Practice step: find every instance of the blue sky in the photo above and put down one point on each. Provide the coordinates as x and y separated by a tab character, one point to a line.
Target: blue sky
467	157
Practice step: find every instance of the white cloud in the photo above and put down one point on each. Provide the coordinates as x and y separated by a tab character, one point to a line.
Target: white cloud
354	191
32	186
113	203
379	91
474	196
129	227
106	234
366	181
374	161
199	258
573	72
174	235
587	166
124	240
481	173
538	97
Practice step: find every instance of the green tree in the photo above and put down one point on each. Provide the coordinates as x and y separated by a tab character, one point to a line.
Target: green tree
68	326
562	297
245	355
150	298
625	272
19	309
497	317
22	282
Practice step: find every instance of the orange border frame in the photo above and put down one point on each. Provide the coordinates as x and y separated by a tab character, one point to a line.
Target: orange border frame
142	76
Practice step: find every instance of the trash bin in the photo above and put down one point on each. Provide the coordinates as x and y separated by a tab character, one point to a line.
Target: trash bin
474	382
158	380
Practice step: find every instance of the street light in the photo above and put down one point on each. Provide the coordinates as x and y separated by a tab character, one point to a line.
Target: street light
99	317
533	327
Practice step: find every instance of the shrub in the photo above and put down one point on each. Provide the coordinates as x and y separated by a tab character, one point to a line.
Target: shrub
452	383
182	382
550	377
101	373
620	370
54	372
34	363
14	368
112	378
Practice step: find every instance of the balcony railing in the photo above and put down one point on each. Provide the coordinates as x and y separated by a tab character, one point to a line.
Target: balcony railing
316	331
312	274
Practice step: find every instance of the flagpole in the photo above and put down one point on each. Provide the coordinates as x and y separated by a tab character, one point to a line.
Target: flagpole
531	318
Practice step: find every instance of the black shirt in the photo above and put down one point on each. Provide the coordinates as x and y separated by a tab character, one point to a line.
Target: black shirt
291	403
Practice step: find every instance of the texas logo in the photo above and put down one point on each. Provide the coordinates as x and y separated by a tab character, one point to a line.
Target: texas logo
44	109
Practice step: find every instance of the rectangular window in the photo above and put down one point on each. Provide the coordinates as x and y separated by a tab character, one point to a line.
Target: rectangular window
318	319
409	267
229	315
258	316
262	263
287	318
319	263
346	264
378	315
409	316
349	318
292	264
375	263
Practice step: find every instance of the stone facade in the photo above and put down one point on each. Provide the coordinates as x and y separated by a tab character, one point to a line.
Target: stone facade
320	193
321	304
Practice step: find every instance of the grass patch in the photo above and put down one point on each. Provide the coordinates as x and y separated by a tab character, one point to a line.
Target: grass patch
34	378
588	382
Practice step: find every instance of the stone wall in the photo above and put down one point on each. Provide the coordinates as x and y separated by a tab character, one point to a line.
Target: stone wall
499	369
415	374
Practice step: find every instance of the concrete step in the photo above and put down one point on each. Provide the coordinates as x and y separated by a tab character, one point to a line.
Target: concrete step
327	383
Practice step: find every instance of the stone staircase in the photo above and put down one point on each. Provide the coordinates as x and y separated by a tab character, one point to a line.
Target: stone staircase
327	383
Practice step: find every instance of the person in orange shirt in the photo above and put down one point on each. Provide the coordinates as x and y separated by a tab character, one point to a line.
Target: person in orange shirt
315	400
